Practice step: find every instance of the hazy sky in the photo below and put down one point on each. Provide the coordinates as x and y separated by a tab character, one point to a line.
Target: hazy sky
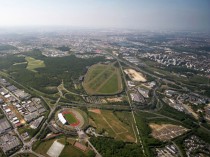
137	14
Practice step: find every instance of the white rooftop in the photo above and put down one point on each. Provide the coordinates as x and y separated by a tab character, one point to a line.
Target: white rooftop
61	118
55	149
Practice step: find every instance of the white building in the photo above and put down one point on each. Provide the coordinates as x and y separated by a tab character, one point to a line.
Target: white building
61	118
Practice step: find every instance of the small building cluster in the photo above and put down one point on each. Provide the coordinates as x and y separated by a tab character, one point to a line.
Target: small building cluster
168	150
196	147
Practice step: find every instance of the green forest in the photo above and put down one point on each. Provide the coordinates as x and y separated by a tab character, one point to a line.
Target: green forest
109	147
67	68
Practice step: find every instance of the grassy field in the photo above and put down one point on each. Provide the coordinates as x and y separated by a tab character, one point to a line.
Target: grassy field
103	79
69	149
70	118
25	155
44	146
113	125
33	64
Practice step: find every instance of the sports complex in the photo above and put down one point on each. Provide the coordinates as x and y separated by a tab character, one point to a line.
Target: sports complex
69	120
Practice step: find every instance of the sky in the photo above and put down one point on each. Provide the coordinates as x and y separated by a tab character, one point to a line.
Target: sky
133	14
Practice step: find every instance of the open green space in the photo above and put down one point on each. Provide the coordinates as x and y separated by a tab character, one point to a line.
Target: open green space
103	79
43	146
109	147
111	124
69	150
67	69
33	64
70	118
25	155
145	132
111	85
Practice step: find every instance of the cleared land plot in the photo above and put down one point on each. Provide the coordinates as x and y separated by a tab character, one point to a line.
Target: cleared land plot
56	149
103	79
118	99
95	111
134	75
190	110
80	146
33	64
17	114
165	132
20	63
112	125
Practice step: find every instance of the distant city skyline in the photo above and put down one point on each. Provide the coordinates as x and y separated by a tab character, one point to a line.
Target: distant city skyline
135	14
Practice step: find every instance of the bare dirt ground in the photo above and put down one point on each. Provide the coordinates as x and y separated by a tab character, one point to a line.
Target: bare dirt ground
207	115
190	110
98	111
119	99
134	75
165	132
80	146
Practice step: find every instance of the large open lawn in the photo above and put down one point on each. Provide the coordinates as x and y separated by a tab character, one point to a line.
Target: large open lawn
118	125
69	149
25	155
103	79
44	146
33	64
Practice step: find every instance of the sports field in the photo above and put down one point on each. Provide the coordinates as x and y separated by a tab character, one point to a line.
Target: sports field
33	64
103	79
70	118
